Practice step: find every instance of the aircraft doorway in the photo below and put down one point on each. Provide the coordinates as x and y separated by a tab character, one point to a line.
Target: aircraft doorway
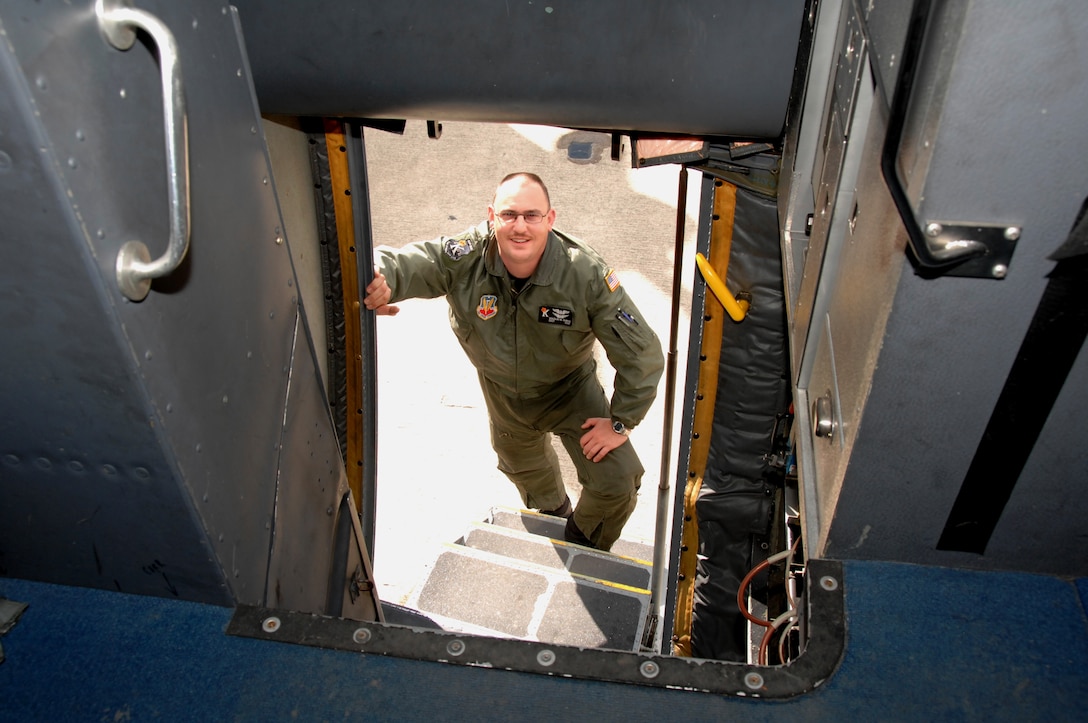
435	468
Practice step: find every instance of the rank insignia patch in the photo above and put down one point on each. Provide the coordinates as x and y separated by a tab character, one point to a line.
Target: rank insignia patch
612	280
556	315
458	247
488	307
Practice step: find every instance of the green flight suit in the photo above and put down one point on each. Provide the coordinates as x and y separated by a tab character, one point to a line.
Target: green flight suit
533	350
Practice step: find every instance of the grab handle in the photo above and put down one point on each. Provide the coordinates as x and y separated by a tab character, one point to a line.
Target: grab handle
118	22
736	306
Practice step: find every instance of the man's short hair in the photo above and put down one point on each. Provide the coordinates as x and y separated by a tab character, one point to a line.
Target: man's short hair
532	177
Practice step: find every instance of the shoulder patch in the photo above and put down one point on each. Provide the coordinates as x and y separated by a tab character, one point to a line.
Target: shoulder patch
456	248
612	280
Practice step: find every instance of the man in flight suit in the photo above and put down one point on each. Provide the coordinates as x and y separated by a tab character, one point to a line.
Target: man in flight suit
526	303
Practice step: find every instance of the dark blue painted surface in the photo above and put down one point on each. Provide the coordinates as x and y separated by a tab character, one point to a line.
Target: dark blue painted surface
923	644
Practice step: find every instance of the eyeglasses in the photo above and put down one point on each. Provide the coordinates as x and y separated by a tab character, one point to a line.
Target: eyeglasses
531	217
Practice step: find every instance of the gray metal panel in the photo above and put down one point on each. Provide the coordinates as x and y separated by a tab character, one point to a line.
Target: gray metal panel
801	146
647	66
310	483
88	489
1010	131
191	384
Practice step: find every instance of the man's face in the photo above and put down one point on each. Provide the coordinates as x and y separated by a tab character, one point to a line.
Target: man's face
521	244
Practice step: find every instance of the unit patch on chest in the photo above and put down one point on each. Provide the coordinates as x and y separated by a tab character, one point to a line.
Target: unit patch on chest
556	315
489	306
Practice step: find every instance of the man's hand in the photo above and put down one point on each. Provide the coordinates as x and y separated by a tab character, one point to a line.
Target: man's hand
600	439
378	295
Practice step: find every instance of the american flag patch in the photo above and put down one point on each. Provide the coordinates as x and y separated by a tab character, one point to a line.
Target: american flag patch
612	280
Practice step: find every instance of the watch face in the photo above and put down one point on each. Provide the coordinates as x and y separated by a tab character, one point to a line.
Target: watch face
618	427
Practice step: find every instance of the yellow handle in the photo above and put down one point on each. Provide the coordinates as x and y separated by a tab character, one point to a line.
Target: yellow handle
737	309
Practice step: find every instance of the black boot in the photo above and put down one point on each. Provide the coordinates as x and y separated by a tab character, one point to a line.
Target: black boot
564	510
572	534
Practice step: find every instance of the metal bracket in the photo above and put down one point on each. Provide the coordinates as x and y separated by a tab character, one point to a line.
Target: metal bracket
988	247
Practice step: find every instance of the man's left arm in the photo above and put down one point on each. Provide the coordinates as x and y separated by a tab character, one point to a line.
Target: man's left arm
634	351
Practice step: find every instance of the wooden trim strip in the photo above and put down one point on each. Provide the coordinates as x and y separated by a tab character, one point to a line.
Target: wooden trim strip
340	177
706	390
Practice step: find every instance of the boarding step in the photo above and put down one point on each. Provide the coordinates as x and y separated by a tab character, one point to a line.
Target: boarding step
558	555
478	592
537	523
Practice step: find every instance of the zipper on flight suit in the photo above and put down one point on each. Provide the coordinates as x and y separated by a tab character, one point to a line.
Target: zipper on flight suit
515	294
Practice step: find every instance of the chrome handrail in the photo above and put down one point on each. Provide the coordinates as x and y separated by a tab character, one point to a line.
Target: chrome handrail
118	22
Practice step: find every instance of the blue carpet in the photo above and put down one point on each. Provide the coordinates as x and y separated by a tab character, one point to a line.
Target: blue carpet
922	644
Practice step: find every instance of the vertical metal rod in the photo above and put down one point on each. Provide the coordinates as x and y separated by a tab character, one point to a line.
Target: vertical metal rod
662	527
364	257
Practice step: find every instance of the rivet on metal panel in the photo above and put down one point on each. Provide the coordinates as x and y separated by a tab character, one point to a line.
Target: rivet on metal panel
1000	271
279	239
1012	233
44	463
40	82
76	466
649	669
829	583
238	72
109	470
753	681
545	657
226	399
362	636
455	647
934	229
194	24
72	163
271	624
11	460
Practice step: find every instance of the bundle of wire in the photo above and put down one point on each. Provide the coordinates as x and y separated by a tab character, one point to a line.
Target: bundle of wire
787	620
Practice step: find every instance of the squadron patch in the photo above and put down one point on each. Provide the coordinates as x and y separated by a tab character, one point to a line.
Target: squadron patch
612	279
458	247
488	307
556	315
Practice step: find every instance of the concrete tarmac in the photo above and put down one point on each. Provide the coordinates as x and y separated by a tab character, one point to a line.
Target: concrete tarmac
436	469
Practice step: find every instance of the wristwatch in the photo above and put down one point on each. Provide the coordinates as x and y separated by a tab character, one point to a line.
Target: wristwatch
618	428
